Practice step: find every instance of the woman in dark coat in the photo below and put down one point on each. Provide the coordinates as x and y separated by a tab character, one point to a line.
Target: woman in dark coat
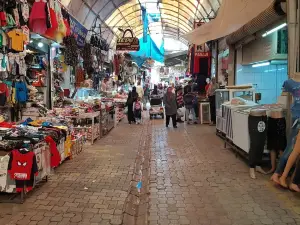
170	107
132	96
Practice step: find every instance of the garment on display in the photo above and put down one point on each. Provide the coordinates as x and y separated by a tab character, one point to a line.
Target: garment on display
257	124
276	137
38	17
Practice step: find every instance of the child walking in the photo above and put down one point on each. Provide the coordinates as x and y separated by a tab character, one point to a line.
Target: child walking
137	110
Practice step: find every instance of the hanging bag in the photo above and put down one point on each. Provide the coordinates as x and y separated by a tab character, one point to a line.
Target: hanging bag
128	43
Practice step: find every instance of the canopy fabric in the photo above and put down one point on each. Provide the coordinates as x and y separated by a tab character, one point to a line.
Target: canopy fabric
148	50
232	15
169	18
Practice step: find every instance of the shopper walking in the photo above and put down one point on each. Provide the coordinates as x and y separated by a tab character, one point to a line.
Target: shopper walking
155	90
211	93
146	95
132	97
140	89
170	107
188	88
189	101
137	110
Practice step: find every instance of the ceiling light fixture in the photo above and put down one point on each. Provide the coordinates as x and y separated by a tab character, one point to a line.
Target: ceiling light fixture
261	64
40	44
274	29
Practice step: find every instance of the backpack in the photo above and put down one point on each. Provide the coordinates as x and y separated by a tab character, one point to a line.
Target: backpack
137	105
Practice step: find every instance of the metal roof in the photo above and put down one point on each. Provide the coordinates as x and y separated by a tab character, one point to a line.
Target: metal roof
176	17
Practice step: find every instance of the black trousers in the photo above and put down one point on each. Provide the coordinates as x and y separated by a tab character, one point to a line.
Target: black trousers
130	114
258	134
173	120
212	104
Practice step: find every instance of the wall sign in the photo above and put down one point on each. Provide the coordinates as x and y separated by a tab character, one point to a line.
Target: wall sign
78	30
128	43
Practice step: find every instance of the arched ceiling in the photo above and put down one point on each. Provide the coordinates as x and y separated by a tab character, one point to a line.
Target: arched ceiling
175	17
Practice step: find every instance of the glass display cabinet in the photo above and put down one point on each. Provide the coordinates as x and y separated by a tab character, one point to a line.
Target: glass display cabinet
225	95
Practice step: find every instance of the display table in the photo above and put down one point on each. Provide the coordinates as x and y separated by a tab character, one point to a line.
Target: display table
89	125
107	120
77	146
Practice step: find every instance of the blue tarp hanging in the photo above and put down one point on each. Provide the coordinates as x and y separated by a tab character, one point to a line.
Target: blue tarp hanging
145	24
148	50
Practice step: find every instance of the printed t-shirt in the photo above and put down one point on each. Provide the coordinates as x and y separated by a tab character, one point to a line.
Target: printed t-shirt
17	39
293	87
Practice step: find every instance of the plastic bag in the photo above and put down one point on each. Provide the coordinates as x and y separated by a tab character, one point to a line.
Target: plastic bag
126	110
180	112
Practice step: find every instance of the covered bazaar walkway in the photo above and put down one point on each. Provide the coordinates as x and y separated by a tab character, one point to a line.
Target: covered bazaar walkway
192	180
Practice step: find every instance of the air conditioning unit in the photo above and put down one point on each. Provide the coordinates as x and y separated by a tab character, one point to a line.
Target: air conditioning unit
204	113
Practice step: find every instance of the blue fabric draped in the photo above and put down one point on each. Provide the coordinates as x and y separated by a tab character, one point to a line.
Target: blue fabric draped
145	24
148	50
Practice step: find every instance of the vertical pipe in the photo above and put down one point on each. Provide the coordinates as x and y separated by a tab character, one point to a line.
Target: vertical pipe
292	28
49	86
217	61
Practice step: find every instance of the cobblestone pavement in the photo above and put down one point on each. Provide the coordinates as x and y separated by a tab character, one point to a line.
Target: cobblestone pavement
89	190
193	180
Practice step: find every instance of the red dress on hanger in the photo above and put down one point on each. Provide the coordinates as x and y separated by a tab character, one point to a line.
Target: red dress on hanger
38	17
50	32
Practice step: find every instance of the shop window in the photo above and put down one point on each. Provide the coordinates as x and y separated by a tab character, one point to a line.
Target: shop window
282	41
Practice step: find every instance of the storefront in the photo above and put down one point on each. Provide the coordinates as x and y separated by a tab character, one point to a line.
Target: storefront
260	68
51	104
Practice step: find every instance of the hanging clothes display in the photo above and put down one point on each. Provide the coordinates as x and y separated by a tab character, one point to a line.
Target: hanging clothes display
21	92
79	77
4	93
55	156
22	167
70	54
87	57
18	38
38	17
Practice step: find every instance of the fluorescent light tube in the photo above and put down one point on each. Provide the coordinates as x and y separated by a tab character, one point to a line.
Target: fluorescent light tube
274	29
261	64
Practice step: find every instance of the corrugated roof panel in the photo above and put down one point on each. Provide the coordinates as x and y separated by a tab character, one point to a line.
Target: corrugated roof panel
107	10
125	13
82	13
99	5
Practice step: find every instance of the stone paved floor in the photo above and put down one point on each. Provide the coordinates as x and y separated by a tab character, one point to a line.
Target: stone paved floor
89	190
193	181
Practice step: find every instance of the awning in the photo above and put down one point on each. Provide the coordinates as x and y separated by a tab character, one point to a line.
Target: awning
232	15
271	15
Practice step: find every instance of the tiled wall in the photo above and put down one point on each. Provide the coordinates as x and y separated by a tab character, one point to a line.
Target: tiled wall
267	80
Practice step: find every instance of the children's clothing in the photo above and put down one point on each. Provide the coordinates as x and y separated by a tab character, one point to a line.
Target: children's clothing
38	17
21	92
17	39
22	167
